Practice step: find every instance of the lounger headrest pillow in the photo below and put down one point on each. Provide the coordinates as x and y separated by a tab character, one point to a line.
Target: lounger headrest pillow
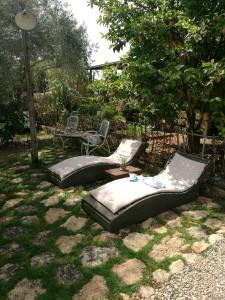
184	168
127	148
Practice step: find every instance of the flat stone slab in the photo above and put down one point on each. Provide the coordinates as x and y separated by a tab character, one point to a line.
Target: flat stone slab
74	223
145	292
214	238
94	289
152	224
221	230
22	193
130	271
67	274
26	209
160	276
41	238
72	200
106	237
17	180
36	175
175	222
136	241
30	220
195	214
149	223
191	258
213	223
197	232
55	214
18	169
92	256
168	247
218	192
213	205
186	206
159	228
204	200
7	271
6	219
14	232
167	216
10	204
200	246
38	195
69	189
42	260
176	266
44	185
2	197
51	201
27	290
66	243
96	226
9	250
124	296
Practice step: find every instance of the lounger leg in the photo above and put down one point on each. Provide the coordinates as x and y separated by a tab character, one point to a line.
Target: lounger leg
92	150
62	141
82	148
87	150
107	146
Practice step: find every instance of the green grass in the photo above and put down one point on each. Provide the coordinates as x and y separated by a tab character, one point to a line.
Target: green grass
49	154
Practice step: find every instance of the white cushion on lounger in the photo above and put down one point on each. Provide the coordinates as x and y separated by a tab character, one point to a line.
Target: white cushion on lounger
74	164
127	148
178	176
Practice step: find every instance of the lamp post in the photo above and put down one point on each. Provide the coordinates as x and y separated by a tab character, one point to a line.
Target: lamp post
27	21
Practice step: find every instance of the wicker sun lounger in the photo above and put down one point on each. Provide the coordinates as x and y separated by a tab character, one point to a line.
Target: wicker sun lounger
84	169
121	202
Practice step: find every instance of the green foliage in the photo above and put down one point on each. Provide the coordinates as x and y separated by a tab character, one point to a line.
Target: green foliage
89	106
176	57
13	122
115	93
61	94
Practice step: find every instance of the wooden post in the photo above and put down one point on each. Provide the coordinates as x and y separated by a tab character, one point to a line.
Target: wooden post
30	100
223	157
214	154
203	147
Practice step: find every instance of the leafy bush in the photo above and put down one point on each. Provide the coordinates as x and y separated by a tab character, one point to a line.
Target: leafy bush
90	106
13	122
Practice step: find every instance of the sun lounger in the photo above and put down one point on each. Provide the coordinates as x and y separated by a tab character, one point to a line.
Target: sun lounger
84	169
122	202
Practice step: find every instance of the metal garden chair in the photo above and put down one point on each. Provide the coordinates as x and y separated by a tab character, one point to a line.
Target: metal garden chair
92	140
70	130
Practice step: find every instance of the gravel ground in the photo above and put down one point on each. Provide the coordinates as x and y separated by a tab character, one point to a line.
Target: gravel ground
202	281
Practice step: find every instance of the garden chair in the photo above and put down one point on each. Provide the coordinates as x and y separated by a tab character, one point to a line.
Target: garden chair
84	169
92	140
70	130
124	202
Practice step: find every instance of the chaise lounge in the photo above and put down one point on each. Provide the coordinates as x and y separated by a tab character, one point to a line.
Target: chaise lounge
85	169
122	202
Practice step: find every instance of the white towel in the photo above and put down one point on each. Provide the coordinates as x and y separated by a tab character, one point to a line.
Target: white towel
154	182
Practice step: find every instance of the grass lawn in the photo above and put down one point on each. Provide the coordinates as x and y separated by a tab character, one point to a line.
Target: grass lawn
31	214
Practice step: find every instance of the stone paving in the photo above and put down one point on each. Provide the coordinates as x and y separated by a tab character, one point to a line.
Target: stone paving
49	248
